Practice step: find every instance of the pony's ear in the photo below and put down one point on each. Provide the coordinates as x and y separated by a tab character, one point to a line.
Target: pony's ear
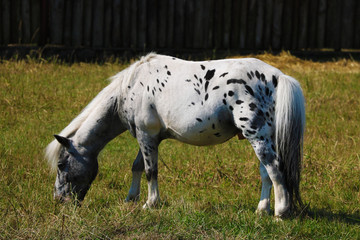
63	141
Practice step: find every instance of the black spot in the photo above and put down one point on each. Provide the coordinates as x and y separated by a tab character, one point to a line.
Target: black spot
250	132
200	80
267	114
192	103
249	89
162	84
206	85
231	93
260	113
209	74
257	74
197	91
231	108
157	80
166	66
273	147
224	101
202	67
249	76
153	92
262	76
168	73
267	91
173	58
129	87
261	138
148	89
195	76
243	119
233	81
141	84
239	102
223	75
187	80
275	81
199	119
252	73
269	124
206	96
216	87
152	107
225	95
252	106
213	126
160	90
253	127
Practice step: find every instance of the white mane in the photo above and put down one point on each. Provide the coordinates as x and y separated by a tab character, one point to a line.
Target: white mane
118	82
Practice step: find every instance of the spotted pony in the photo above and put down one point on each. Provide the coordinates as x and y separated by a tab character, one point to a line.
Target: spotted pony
199	103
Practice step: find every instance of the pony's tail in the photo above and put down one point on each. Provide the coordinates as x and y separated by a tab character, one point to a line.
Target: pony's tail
289	133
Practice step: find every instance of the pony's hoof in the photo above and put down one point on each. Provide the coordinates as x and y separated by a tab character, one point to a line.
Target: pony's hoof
132	198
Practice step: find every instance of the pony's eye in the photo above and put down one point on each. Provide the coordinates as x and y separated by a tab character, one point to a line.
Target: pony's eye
61	165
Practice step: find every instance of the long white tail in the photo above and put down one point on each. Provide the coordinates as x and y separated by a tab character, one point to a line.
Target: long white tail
289	133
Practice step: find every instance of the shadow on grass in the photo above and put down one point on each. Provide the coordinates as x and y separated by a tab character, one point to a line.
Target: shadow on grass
327	214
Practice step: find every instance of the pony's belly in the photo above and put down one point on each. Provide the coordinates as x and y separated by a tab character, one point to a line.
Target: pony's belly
204	136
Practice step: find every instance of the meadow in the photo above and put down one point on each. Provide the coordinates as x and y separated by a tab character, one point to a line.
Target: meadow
207	192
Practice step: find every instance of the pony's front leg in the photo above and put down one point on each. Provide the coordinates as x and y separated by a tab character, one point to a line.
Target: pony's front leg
149	149
137	170
266	184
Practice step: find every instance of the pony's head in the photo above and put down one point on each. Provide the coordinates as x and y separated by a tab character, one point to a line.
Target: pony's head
76	169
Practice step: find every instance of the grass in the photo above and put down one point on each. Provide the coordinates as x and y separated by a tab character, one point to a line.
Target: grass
207	192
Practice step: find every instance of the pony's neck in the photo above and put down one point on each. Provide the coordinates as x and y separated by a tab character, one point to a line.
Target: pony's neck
101	126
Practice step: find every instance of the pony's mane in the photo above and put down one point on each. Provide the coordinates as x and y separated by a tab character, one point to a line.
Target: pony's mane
118	82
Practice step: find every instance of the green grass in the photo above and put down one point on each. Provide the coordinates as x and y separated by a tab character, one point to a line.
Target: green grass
207	192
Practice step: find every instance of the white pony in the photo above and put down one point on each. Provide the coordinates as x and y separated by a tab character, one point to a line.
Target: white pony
199	103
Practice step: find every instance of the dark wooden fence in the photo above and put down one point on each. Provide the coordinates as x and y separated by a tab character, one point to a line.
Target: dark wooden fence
182	24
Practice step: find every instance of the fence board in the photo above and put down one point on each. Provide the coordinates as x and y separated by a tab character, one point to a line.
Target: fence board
77	29
107	23
268	23
357	27
142	24
126	23
56	21
277	24
321	24
243	24
170	25
303	22
198	24
295	25
208	29
87	23
179	23
235	24
25	21
218	23
189	23
5	6
35	21
347	30
162	23
134	24
98	23
251	25
333	24
259	25
312	23
227	24
68	22
15	21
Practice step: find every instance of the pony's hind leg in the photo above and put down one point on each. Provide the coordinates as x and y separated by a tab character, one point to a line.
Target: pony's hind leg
267	156
137	170
266	184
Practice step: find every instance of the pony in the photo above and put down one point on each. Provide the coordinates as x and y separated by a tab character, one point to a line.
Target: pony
196	102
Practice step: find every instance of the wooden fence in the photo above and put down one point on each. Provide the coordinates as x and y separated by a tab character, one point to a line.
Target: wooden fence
182	24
